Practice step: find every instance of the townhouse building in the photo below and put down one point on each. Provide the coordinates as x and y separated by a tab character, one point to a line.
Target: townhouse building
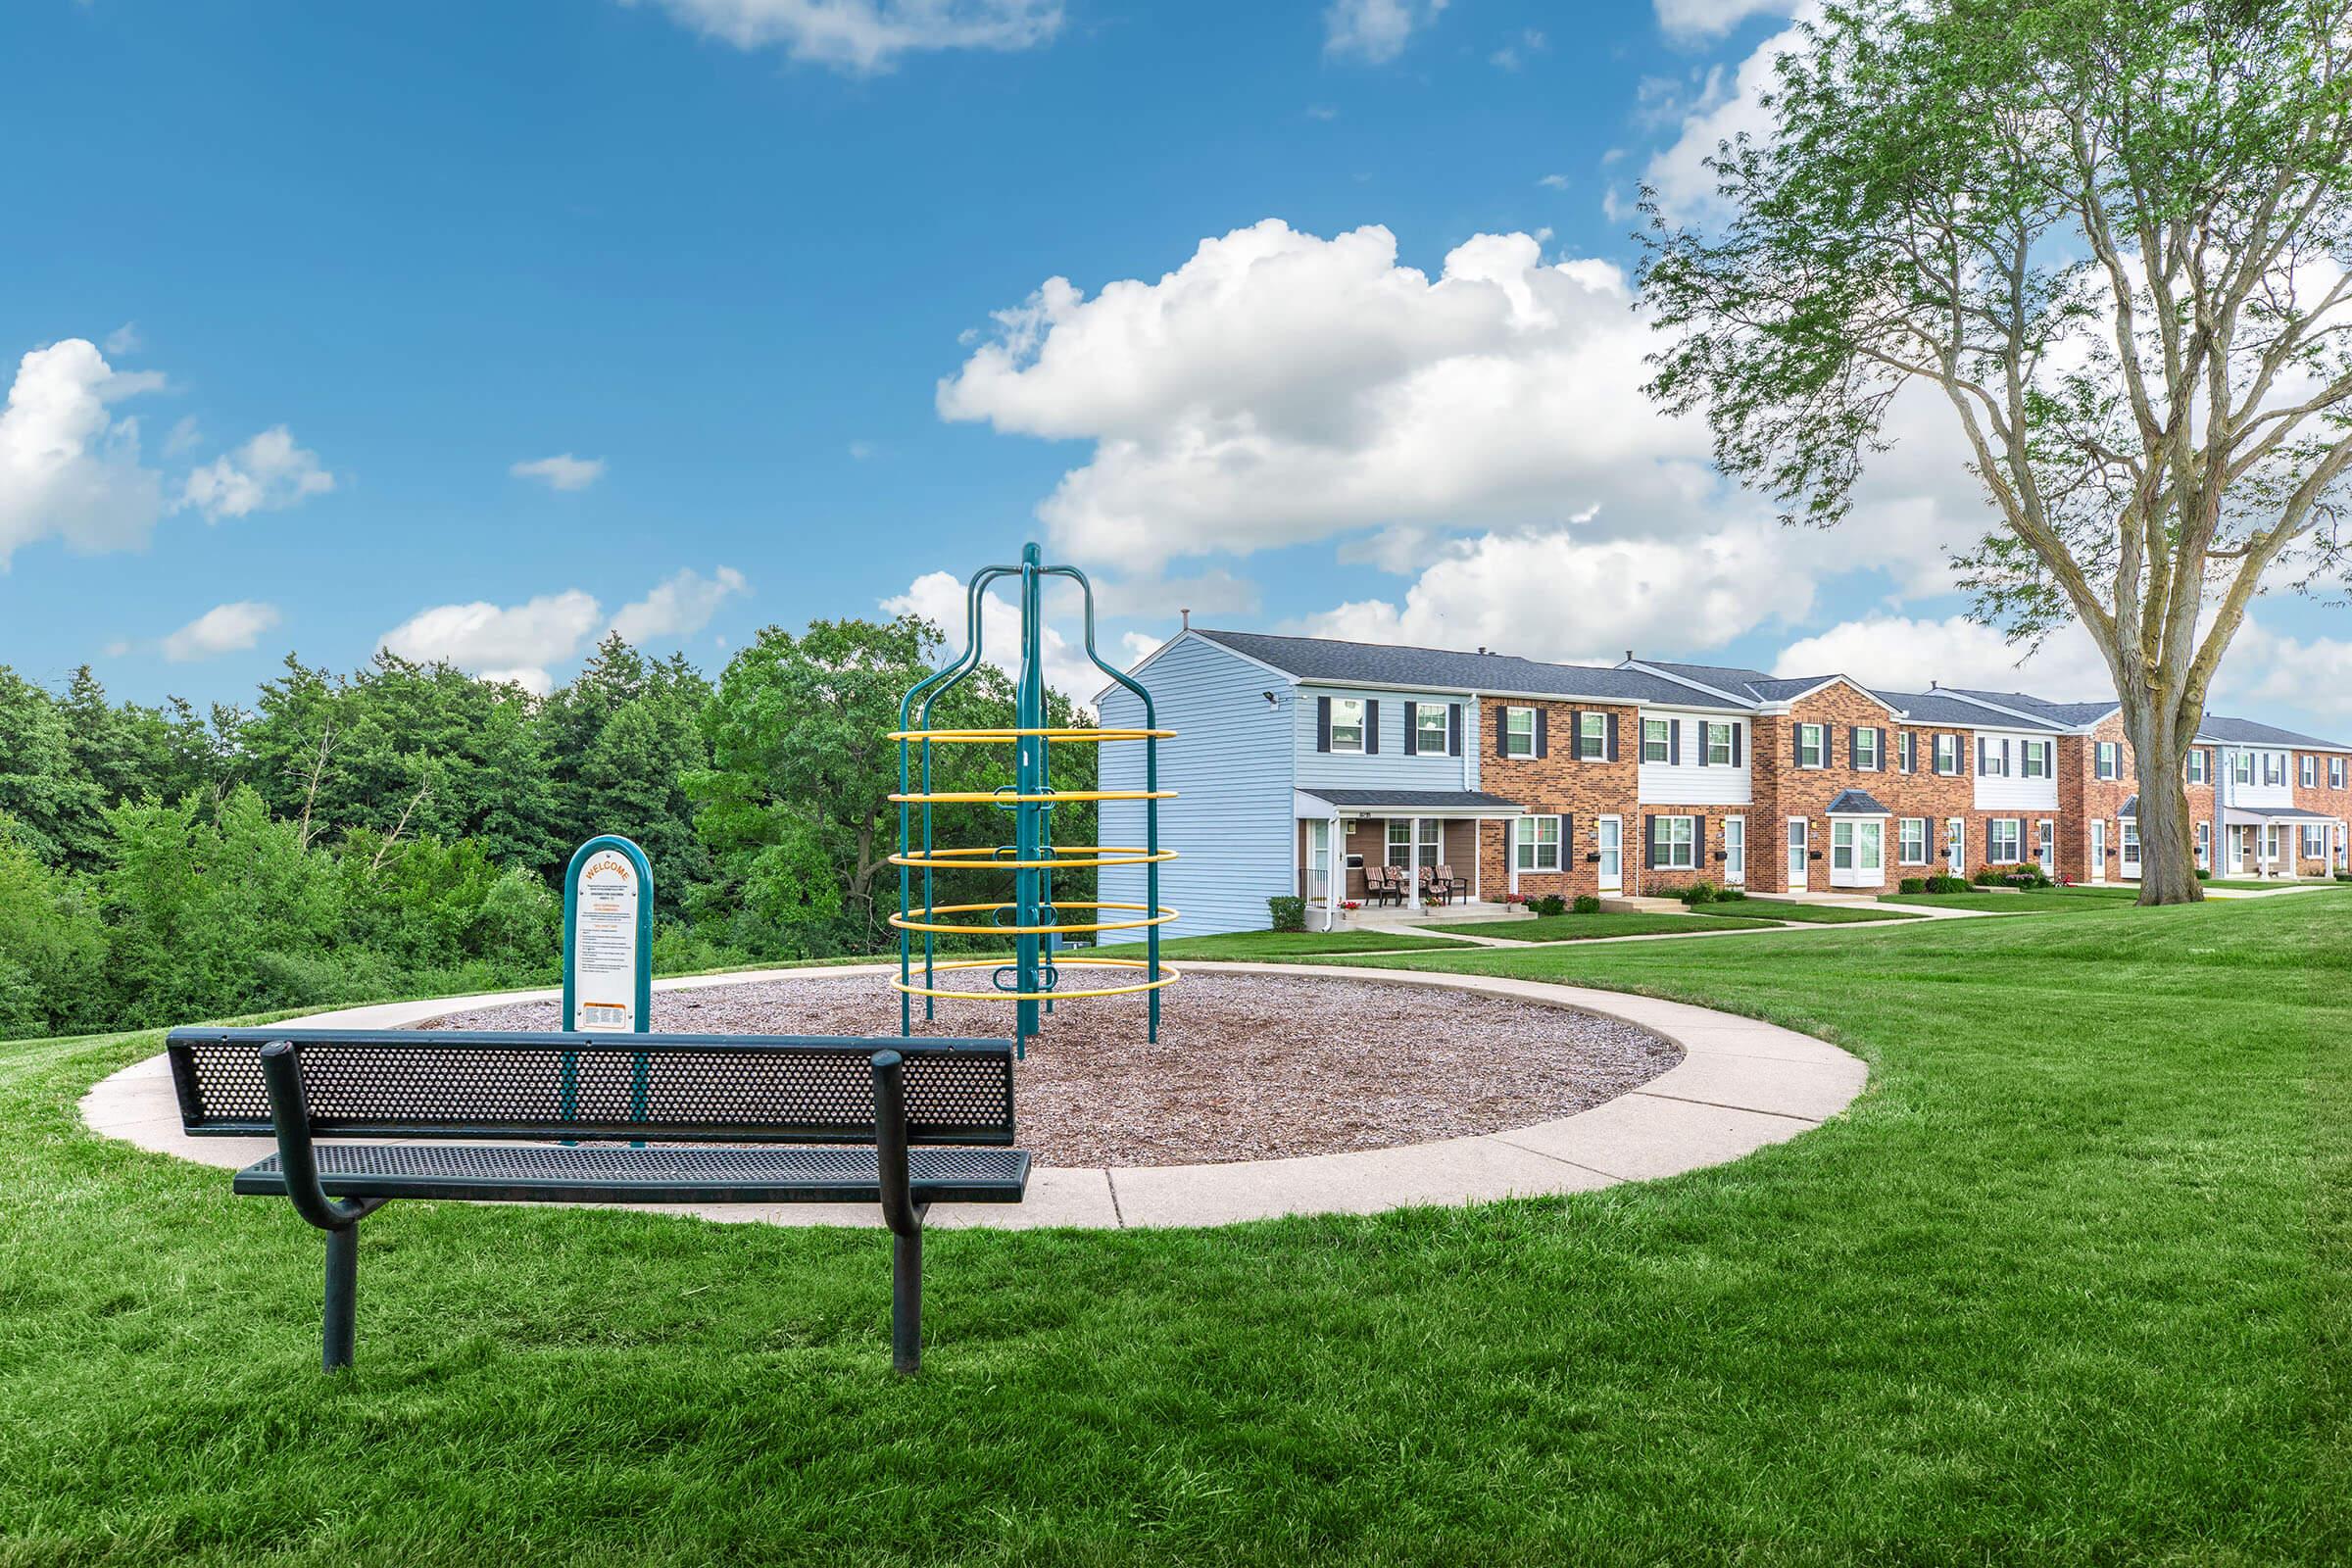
1302	763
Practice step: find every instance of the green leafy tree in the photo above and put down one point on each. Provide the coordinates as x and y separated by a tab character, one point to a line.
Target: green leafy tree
52	950
2115	237
52	805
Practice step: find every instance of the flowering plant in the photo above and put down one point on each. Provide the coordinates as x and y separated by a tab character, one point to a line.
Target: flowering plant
1352	904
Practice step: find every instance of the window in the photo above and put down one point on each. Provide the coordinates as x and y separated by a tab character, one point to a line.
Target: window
1673	843
1841	845
1911	846
1536	843
1812	746
1592	736
1867	747
1401	841
1906	751
1718	741
2129	841
2004	841
2273	767
1518	732
1655	740
1948	754
2314	841
2241	767
2204	846
2308	775
1429	730
2111	760
1346	724
1993	758
2038	760
2336	772
2196	767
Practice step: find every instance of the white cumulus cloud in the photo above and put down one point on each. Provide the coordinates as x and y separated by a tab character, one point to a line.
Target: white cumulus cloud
1375	30
679	606
267	474
1691	20
562	472
2267	668
70	470
221	629
942	600
869	36
1905	653
500	643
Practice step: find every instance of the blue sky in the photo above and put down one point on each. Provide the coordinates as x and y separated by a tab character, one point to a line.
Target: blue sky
302	293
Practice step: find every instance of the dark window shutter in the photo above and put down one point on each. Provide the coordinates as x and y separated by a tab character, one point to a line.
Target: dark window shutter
1322	723
1649	843
1609	747
1576	735
1984	752
1371	727
1502	732
1736	728
1853	746
1413	729
2004	757
1704	738
1674	743
1543	732
1796	746
1453	729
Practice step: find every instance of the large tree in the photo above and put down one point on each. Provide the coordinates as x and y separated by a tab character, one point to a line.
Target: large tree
2116	236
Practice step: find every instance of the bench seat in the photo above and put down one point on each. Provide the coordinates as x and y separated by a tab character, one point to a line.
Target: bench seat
614	1174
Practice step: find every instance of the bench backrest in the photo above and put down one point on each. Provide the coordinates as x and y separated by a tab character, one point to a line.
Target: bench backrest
405	1083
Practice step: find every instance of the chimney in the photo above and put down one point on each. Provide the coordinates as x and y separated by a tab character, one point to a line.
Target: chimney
1930	683
1482	648
1628	656
1187	614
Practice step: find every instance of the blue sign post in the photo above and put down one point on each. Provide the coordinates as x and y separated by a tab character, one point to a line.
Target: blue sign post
607	952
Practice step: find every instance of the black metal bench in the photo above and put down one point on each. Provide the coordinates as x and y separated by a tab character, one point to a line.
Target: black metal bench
905	1124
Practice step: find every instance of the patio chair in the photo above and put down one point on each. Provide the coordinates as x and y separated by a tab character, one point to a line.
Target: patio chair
1385	884
1456	888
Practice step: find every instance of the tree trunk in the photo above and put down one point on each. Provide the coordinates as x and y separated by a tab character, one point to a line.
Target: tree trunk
2167	861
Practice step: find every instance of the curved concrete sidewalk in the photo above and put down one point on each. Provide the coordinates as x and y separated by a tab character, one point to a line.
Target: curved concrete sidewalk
1740	1085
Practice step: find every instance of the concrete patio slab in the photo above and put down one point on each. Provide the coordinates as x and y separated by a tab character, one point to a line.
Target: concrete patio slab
1743	1084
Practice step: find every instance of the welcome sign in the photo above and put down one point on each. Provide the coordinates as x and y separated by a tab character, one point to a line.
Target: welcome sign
609	938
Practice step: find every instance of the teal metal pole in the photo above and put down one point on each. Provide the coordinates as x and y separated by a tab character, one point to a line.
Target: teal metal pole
1029	815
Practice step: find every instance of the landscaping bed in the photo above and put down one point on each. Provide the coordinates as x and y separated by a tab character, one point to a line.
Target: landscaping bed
1245	1066
1609	923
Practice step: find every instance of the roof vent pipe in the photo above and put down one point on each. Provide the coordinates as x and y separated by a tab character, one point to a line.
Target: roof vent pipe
1187	614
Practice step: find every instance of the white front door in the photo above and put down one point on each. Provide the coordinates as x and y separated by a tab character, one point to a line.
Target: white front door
1798	847
1608	837
2047	847
1734	851
1318	860
1955	845
2099	849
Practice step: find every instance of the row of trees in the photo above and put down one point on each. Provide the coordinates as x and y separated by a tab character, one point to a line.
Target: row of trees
404	827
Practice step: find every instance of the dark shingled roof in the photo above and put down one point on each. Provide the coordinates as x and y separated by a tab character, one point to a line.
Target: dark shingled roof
1380	664
1856	802
2066	714
1752	684
1429	800
1942	707
2246	732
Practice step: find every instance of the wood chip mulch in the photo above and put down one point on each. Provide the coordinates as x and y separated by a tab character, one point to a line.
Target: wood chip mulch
1246	1066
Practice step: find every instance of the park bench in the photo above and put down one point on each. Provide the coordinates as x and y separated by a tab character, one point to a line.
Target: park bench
905	1124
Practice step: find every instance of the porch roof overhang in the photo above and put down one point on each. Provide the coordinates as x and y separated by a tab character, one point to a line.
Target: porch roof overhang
1403	802
2257	816
1856	802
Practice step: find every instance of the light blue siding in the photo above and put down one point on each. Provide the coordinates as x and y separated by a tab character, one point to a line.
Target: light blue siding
1231	823
1391	770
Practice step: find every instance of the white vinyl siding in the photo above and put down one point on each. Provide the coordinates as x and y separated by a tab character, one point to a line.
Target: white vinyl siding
2002	782
1379	761
1695	769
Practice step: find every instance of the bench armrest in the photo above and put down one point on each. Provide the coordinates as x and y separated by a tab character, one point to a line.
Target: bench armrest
899	1210
282	1075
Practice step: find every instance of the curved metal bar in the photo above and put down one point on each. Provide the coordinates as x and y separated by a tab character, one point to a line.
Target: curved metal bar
899	1211
282	1075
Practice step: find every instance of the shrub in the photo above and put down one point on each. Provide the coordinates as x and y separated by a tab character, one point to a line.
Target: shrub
1588	903
1912	884
1547	904
1947	884
2204	876
1700	892
1732	894
1289	910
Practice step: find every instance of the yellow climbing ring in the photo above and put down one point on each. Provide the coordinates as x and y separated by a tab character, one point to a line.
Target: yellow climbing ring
1168	975
1164	915
1008	798
1064	857
1054	736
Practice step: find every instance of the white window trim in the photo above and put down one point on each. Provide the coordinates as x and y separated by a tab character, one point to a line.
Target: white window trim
1522	839
1443	712
1706	743
1511	737
1357	750
1903	841
1937	765
1667	846
2307	771
1878	749
2015	836
1821	756
1906	751
1665	743
1599	723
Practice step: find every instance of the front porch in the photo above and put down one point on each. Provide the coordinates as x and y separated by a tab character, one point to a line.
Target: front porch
1343	837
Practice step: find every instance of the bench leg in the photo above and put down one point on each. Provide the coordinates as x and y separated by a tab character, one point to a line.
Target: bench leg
342	1295
906	1301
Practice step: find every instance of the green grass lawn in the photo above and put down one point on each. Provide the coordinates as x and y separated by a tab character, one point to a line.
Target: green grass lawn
1585	927
1278	945
2021	901
2256	884
1800	913
2068	1284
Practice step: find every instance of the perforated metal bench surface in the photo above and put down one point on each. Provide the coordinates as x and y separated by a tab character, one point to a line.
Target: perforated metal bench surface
621	1175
